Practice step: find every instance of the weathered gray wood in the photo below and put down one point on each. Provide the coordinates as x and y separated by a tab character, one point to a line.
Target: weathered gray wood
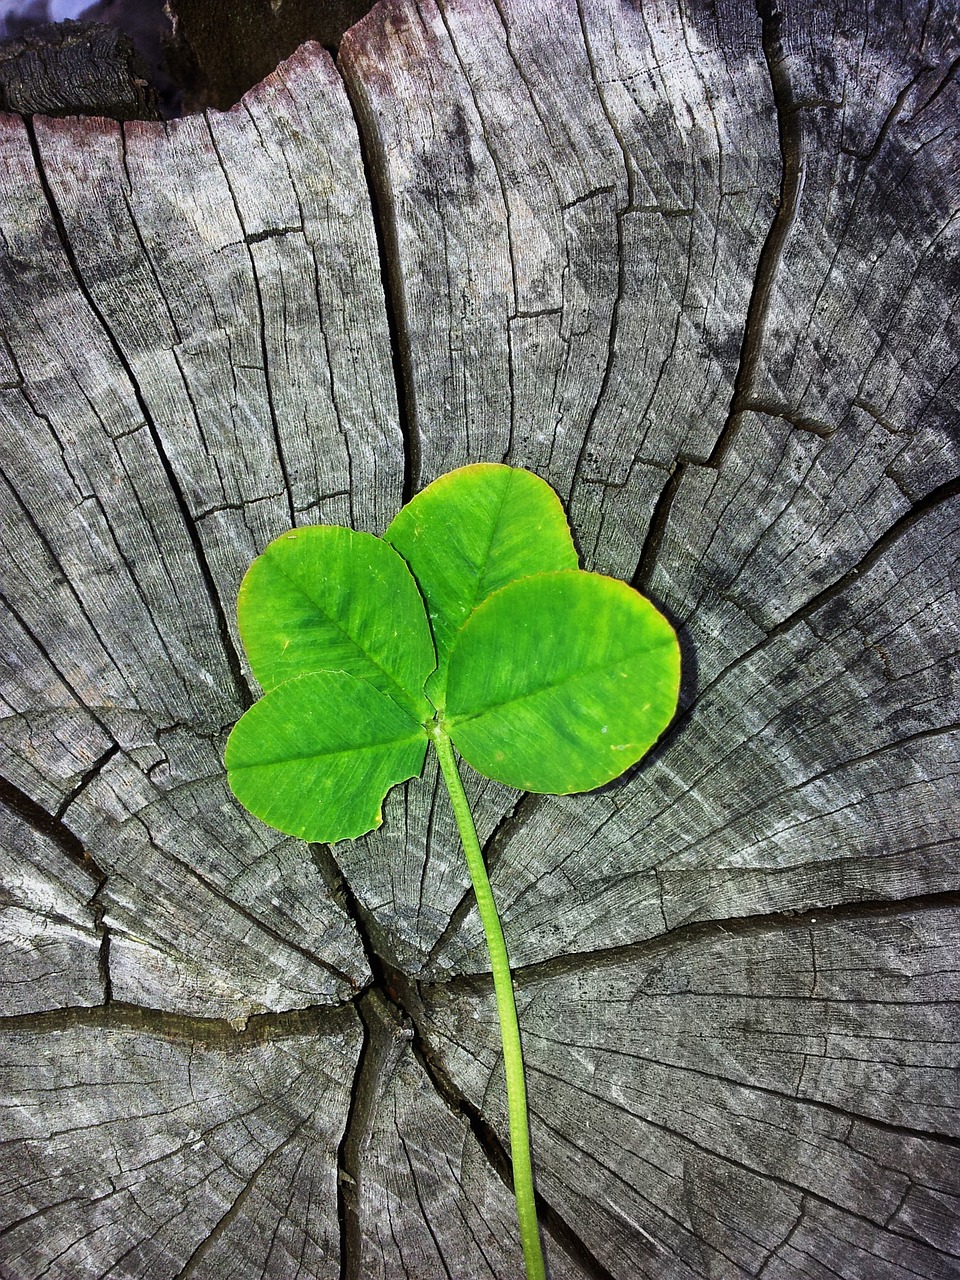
50	940
771	1100
422	1200
140	1148
695	264
239	919
151	512
583	318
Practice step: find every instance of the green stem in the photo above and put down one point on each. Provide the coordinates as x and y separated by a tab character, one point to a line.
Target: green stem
506	1008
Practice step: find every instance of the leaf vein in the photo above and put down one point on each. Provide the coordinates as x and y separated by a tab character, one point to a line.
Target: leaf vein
407	699
334	751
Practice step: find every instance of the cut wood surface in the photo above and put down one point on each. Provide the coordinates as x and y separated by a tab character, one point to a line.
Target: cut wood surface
696	265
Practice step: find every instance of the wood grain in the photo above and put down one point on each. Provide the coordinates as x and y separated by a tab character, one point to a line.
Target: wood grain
146	1148
696	265
749	1101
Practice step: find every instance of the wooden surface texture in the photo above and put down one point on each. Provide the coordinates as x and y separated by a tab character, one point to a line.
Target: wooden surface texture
695	263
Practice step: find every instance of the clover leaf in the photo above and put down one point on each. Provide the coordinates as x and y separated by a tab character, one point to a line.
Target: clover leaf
471	626
316	756
560	681
470	533
328	599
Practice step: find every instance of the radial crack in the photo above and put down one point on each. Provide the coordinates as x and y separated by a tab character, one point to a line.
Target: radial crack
243	692
788	206
90	776
578	962
233	1210
51	826
183	1028
383	212
552	1221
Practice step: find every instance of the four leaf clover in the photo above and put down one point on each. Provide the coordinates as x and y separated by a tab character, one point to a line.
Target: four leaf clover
469	619
468	625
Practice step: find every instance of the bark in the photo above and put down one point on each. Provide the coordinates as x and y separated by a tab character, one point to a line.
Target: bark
694	264
62	68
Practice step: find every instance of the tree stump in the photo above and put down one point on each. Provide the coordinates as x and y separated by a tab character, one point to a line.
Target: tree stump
695	265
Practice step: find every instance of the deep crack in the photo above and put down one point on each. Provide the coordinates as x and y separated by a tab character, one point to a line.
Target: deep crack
771	255
242	688
385	225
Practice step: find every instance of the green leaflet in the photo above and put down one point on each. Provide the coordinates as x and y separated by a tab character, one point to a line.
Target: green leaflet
328	599
470	533
560	682
315	757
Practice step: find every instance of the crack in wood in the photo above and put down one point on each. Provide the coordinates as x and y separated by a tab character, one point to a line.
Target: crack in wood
249	241
103	952
362	1095
376	171
659	519
393	999
236	1206
776	1252
784	219
190	1029
778	409
552	1221
242	688
245	913
87	778
52	825
696	931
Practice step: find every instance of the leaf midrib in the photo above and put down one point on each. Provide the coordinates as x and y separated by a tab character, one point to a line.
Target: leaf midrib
455	626
408	701
334	751
453	721
486	555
